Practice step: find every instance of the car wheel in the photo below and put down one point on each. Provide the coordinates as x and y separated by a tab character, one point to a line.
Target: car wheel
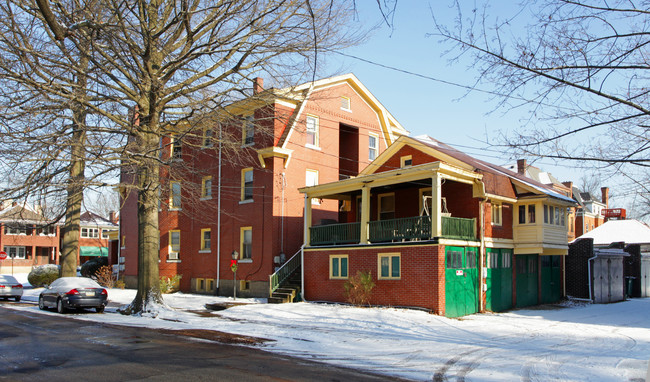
17	298
59	306
99	309
41	303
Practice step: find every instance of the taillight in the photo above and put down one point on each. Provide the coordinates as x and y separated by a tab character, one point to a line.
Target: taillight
72	291
104	292
2	286
18	286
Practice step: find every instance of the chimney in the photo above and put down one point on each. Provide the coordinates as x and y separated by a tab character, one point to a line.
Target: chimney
258	85
605	198
112	216
569	185
521	166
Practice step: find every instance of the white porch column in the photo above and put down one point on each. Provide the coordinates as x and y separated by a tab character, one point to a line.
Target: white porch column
307	220
365	214
436	206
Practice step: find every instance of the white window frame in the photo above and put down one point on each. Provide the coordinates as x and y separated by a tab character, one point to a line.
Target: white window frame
172	205
346	103
173	250
496	214
373	151
311	179
312	128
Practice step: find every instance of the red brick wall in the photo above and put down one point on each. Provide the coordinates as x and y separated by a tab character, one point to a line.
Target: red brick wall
417	156
422	282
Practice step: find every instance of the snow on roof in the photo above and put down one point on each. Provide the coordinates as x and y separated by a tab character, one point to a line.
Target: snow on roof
629	231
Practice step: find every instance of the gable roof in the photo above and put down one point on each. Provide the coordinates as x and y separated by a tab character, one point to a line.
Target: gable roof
458	158
629	231
90	218
22	214
300	95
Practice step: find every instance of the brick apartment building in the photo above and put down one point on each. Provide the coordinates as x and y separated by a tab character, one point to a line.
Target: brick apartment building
314	133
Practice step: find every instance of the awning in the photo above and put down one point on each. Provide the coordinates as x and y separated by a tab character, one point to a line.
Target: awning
93	251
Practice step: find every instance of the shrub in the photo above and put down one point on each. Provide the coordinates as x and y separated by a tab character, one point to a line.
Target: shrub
120	284
105	276
90	267
170	284
43	275
358	288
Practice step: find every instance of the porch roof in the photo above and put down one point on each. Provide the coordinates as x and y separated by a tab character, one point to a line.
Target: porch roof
338	189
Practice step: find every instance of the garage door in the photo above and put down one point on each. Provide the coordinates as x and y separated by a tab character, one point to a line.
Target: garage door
498	263
526	280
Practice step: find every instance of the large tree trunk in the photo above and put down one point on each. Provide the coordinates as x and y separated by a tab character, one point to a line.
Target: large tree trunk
77	178
148	174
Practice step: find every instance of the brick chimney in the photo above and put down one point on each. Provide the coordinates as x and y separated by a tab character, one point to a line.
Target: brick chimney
605	196
569	185
258	85
112	216
521	166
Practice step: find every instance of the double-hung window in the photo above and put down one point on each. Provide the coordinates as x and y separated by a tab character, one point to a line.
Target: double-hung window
248	132
174	245
373	146
246	243
311	130
206	241
206	187
247	184
175	195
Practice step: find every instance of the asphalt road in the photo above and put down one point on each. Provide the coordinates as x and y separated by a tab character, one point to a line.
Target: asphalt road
37	347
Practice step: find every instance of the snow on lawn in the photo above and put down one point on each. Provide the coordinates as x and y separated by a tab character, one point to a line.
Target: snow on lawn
572	343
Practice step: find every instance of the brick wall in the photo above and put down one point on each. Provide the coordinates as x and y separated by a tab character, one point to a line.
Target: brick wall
422	282
577	273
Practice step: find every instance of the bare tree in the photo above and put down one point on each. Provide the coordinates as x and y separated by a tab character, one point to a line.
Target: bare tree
173	63
580	68
44	96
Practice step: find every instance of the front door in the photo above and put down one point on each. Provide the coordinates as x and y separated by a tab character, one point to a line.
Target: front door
461	281
526	280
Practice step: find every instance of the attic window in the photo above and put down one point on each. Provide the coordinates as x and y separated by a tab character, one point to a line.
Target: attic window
406	161
345	103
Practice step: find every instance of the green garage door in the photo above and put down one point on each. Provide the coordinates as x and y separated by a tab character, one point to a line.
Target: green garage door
498	263
461	281
551	273
526	280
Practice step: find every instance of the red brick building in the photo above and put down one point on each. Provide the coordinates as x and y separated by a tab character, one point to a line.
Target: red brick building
440	230
314	133
94	235
28	238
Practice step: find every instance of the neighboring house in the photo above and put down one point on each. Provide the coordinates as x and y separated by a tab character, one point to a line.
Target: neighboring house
633	236
314	133
28	238
439	230
94	236
590	214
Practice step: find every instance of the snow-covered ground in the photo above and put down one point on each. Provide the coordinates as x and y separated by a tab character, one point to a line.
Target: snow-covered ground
575	342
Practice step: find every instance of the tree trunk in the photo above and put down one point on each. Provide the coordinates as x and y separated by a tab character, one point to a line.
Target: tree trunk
149	235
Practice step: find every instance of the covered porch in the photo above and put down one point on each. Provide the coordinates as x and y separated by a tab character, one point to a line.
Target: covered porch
416	203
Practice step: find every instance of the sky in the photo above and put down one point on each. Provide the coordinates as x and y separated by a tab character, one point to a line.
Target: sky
439	105
570	342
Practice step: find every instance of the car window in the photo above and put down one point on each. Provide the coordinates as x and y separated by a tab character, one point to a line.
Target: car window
8	279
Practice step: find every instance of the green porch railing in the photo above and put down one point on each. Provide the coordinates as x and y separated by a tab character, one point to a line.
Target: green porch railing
404	229
332	234
283	273
458	228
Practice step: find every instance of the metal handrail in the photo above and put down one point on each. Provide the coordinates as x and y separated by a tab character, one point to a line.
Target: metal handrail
283	273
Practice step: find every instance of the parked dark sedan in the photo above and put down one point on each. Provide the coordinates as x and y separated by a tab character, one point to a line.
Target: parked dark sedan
73	293
10	288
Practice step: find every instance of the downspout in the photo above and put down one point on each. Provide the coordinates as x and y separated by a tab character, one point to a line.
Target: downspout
590	260
302	249
283	185
483	271
219	216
